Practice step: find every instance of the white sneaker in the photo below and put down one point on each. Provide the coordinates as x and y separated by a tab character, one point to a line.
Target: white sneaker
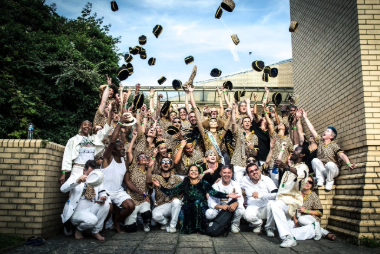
288	242
146	227
318	231
270	233
235	229
171	230
257	229
329	185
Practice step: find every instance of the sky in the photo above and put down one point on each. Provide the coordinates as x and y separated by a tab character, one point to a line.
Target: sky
190	28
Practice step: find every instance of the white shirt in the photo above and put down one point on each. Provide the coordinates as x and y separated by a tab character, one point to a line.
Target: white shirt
265	187
232	187
86	151
114	175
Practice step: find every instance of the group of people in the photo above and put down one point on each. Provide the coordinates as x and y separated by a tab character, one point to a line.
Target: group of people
163	163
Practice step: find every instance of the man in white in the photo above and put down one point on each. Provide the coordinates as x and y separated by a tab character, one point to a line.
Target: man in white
289	199
261	193
86	207
226	185
326	164
167	210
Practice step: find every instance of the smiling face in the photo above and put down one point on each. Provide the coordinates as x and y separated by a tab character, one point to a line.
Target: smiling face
193	172
254	173
189	149
119	149
309	183
172	115
165	164
243	107
177	122
142	159
227	112
226	175
86	127
296	154
110	95
162	149
152	133
183	114
193	119
213	123
211	158
246	124
115	117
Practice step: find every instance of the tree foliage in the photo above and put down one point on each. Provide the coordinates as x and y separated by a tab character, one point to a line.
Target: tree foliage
51	68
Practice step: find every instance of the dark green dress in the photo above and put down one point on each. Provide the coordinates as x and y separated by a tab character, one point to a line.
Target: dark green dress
193	211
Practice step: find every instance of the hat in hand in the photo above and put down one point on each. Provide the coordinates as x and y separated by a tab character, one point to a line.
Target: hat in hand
114	6
165	108
258	65
128	58
273	72
215	73
177	84
172	130
161	80
138	101
277	99
265	77
152	61
235	39
238	95
122	73
219	13
228	5
142	40
293	26
169	150
189	59
228	85
130	119
157	30
95	178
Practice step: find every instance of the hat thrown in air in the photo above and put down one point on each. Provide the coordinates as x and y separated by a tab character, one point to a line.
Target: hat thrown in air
157	30
215	73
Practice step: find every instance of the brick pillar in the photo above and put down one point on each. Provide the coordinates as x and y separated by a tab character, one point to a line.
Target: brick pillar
30	199
336	61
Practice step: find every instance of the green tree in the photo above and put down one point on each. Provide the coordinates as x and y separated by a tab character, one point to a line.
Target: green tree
51	68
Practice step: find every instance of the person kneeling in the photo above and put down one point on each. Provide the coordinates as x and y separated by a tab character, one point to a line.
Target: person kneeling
228	186
165	207
86	207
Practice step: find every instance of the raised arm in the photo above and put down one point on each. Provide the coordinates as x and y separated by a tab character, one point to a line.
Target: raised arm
194	105
255	108
151	166
139	127
300	132
151	100
106	92
187	101
226	126
270	125
221	110
226	97
233	120
178	155
130	148
158	109
275	113
266	95
249	113
309	125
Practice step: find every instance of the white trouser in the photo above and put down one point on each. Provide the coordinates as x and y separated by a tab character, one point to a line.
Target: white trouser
239	173
255	215
328	171
91	217
77	170
285	225
212	213
182	176
304	220
161	213
142	208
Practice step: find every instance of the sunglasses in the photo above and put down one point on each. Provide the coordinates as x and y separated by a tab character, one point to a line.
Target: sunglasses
143	157
176	121
228	110
248	161
165	161
310	182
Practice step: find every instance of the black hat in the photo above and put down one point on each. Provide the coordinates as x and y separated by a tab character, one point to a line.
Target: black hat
238	94
128	58
165	108
273	72
172	130
143	55
142	40
133	51
215	72
169	150
219	13
235	39
152	61
189	59
228	85
130	68
293	26
265	77
177	84
228	5
114	6
160	142
161	80
258	65
277	99
157	30
122	73
138	101
267	69
139	49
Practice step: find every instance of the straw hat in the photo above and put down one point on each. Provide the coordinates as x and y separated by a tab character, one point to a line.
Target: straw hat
130	120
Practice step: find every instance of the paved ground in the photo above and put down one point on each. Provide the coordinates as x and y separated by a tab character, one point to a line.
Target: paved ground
158	242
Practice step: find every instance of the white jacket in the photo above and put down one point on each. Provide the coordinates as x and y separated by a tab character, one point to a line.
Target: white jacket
212	201
265	187
72	147
76	190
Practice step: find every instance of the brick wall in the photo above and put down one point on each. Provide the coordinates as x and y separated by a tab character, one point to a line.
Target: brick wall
336	73
30	199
